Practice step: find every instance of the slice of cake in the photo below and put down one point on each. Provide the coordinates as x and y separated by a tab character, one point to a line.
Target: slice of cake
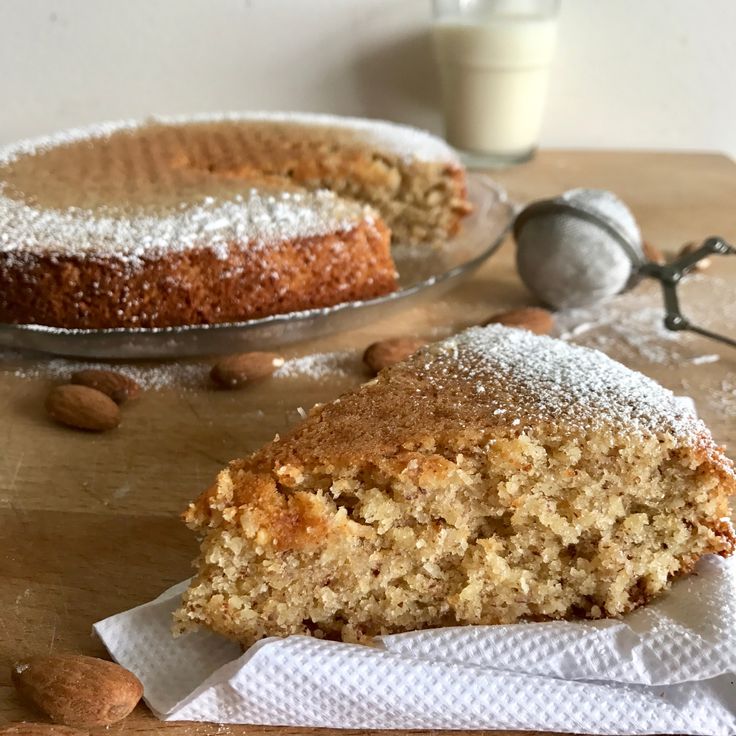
493	477
215	219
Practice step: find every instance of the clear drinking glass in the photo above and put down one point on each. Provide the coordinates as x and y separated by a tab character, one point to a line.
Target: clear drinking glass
494	58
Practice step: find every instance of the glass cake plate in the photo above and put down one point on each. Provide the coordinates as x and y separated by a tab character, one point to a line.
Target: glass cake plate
425	272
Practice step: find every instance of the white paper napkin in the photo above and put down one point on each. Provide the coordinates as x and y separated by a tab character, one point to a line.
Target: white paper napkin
667	668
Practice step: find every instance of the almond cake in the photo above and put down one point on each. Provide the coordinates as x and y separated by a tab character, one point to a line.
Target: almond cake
494	477
215	219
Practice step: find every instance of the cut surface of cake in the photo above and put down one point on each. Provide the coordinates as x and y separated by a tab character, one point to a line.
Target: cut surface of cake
494	477
215	219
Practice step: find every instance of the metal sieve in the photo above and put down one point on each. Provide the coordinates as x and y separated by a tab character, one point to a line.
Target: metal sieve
585	245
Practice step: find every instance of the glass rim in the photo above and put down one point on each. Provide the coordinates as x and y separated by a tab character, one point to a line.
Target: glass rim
488	8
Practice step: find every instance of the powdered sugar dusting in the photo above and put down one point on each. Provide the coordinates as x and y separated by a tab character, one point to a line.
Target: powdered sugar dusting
705	359
724	396
632	324
544	379
631	327
720	396
321	365
257	218
150	377
404	140
408	142
182	375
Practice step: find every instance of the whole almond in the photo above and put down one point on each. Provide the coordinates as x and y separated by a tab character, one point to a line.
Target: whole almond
82	407
76	690
691	247
384	353
118	387
652	253
236	371
39	729
535	319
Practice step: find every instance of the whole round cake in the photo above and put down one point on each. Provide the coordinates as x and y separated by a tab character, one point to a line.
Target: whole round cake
175	221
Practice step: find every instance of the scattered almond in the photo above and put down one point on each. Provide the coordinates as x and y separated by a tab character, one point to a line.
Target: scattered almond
652	253
236	371
76	690
535	319
83	408
382	354
118	387
39	729
690	248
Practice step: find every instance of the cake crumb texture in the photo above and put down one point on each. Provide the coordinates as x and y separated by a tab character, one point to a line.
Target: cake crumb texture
494	477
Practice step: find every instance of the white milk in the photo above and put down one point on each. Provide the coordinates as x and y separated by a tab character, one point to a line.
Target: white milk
494	80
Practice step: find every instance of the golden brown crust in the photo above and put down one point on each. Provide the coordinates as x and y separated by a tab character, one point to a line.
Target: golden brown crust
198	287
429	404
488	380
432	401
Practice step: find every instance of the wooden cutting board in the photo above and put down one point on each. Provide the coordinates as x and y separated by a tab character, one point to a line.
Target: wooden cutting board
89	524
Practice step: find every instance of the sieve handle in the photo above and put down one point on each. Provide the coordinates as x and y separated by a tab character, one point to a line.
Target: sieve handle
671	274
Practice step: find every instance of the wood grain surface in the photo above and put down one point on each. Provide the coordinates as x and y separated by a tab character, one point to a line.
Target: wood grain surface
89	523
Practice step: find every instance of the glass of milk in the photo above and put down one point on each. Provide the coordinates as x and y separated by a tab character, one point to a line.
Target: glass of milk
494	58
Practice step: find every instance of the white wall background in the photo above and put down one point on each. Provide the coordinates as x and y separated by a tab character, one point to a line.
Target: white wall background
629	73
